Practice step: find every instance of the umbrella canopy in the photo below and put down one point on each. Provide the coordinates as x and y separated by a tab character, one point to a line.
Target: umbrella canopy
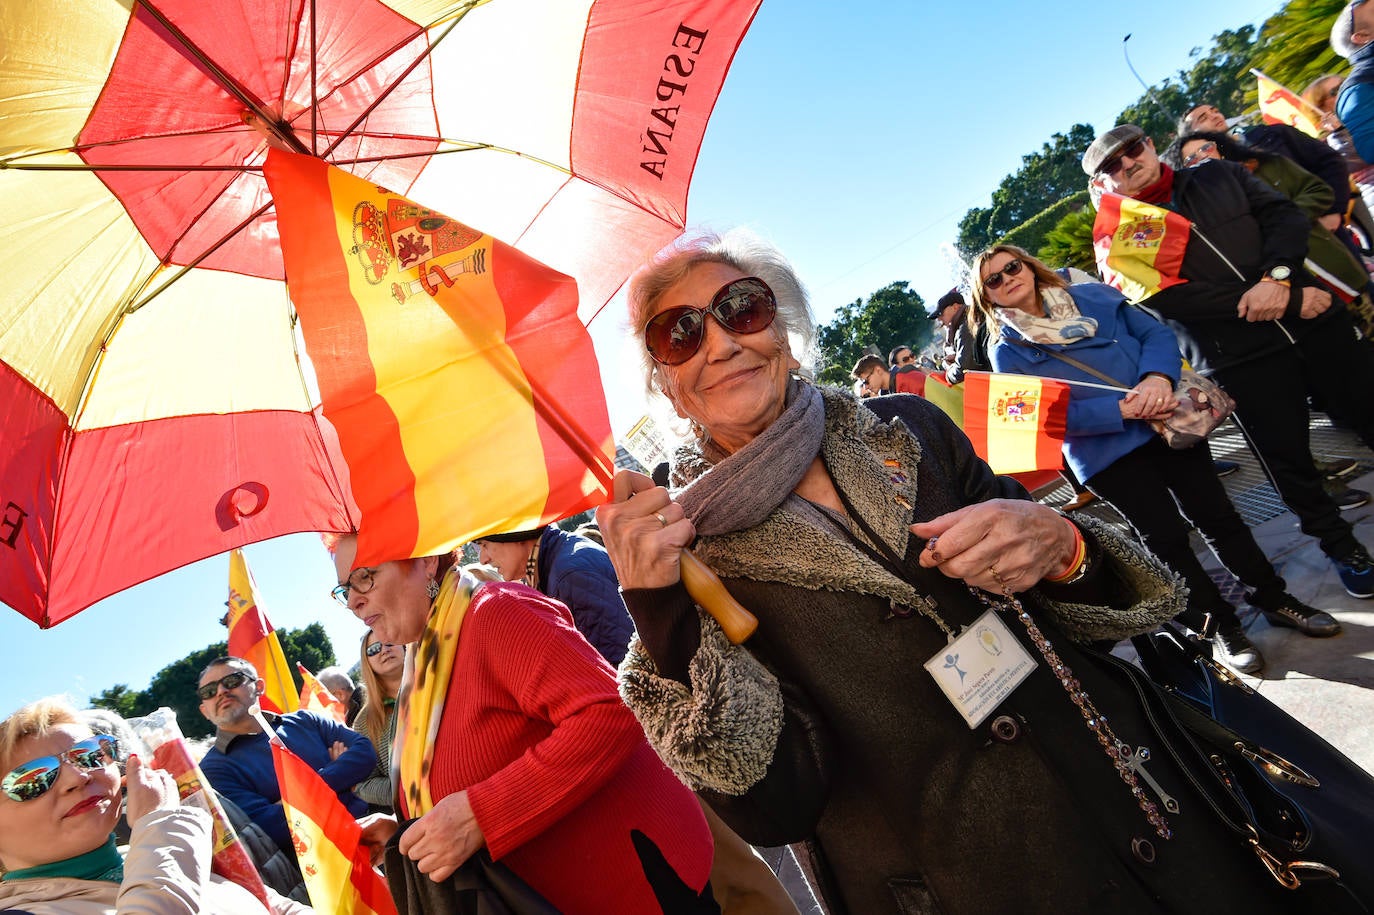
155	406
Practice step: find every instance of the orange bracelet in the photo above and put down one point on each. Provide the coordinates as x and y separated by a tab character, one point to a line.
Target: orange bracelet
1076	565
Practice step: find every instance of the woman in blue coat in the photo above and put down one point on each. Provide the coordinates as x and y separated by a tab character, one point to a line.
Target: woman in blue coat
1110	445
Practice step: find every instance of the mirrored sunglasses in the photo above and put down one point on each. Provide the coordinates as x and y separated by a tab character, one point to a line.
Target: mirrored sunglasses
377	648
34	778
994	280
230	681
1113	165
744	306
360	580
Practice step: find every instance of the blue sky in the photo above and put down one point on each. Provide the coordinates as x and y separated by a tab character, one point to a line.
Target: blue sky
853	135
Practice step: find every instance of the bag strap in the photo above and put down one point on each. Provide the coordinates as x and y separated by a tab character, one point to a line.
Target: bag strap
1081	366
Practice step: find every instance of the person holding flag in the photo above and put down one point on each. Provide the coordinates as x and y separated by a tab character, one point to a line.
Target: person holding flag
1218	254
1038	322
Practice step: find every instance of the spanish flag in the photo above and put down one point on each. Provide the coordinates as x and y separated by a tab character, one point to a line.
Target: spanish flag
252	638
1139	246
1016	422
948	397
1280	105
316	697
337	868
464	390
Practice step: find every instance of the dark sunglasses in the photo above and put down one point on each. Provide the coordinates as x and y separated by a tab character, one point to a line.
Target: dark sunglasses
229	681
35	777
1113	165
744	306
376	648
360	580
994	280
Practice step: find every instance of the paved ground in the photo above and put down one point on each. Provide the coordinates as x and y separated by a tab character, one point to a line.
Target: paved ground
1326	683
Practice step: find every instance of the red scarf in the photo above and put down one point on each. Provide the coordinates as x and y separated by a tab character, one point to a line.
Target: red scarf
1162	191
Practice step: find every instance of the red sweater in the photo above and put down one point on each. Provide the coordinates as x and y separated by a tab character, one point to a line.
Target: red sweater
556	768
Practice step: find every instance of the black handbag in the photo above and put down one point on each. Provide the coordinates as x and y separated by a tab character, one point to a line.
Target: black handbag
480	887
1305	809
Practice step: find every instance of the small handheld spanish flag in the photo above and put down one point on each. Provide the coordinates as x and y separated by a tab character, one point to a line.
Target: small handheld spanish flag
1139	247
1016	422
252	638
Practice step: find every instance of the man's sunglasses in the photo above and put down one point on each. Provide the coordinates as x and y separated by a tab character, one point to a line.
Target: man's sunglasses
994	280
230	681
1113	165
1199	154
35	777
744	306
360	580
376	648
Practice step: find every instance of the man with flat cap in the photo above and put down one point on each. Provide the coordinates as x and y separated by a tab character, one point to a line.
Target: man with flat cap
1352	37
1246	313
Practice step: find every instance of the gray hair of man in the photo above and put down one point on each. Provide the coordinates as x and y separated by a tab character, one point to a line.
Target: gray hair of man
739	248
334	679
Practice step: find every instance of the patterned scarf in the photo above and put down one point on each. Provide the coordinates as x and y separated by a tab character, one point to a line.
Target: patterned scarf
1063	323
424	685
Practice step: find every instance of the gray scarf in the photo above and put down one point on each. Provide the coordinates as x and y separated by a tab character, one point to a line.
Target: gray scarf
737	491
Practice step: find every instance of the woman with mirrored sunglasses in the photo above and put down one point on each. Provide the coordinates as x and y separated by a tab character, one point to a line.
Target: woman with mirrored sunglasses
60	798
380	667
865	536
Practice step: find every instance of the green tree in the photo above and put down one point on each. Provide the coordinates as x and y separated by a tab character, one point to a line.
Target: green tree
1295	45
892	315
1070	242
1044	178
119	699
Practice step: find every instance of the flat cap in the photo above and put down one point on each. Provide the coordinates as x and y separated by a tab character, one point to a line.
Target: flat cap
1108	145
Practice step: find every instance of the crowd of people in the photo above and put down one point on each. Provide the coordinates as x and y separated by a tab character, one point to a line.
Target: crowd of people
927	717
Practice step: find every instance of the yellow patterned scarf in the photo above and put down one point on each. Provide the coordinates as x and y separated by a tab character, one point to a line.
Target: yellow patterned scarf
420	705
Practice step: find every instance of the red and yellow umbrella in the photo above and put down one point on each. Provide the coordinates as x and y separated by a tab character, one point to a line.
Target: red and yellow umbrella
157	406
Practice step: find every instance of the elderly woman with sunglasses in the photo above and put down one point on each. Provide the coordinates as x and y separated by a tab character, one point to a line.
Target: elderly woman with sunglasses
510	736
59	801
1037	322
866	538
380	669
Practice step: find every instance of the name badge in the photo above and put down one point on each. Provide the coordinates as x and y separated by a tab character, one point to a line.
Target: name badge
980	668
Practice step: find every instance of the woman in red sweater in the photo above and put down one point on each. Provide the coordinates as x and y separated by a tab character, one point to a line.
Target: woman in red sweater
511	735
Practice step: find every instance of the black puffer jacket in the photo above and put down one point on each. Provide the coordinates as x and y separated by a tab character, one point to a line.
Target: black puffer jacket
1251	228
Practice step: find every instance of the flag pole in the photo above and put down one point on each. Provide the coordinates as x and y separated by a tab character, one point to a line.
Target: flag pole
1258	74
1085	384
256	711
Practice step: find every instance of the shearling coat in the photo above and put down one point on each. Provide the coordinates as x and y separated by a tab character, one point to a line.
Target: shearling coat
824	728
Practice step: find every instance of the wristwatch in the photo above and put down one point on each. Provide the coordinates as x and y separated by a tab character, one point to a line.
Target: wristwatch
1281	274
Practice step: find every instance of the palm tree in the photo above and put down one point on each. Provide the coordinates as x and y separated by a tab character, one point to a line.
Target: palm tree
1295	45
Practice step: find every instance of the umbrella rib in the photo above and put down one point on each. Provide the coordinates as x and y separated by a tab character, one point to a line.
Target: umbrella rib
228	83
187	268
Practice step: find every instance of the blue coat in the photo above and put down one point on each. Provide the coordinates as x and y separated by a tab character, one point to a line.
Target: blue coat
239	766
1129	345
578	572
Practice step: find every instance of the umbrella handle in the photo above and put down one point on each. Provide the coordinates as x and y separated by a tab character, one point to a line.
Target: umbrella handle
709	593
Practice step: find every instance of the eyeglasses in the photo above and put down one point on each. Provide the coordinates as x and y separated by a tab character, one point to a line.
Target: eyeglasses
994	279
229	681
1113	165
377	648
744	306
35	777
906	360
1199	154
360	580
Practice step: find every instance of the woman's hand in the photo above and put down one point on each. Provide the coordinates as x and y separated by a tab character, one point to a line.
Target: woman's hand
999	545
1151	398
1315	301
441	840
148	789
378	828
645	532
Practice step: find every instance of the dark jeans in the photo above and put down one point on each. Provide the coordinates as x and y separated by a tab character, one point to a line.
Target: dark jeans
1272	412
1159	490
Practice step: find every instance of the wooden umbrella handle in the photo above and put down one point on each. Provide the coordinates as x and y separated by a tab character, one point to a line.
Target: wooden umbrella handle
709	593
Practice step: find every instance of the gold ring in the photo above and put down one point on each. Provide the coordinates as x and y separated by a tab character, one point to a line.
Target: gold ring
661	520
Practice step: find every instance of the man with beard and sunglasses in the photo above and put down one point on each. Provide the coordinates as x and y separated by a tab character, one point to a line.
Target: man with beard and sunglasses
1247	313
239	765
